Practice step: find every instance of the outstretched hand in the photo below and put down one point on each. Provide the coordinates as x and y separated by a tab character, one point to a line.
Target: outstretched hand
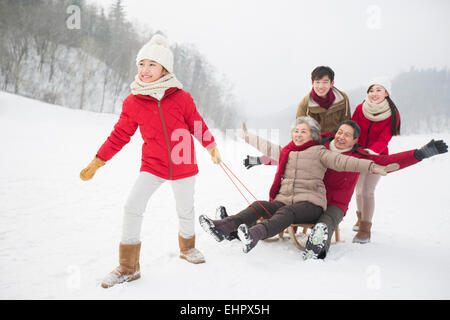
432	148
244	132
252	161
383	170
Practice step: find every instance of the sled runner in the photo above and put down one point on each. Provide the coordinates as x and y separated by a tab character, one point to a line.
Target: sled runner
299	239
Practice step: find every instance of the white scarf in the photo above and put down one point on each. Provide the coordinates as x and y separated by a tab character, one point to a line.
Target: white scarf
376	111
333	148
157	88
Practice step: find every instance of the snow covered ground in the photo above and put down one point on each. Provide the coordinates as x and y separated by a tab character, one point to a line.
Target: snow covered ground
59	235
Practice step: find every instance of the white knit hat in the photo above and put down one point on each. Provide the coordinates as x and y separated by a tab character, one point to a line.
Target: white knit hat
382	81
157	49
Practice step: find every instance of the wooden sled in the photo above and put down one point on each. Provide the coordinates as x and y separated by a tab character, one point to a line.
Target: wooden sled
291	234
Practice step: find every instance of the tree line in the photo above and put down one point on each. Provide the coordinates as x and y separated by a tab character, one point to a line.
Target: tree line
77	55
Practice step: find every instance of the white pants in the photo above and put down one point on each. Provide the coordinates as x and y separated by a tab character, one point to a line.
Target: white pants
365	195
145	185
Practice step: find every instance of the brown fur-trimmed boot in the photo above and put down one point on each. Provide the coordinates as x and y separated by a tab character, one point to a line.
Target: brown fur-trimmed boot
128	269
356	226
188	250
363	235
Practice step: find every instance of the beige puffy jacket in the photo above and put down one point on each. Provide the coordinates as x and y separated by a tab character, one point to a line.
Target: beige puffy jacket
303	176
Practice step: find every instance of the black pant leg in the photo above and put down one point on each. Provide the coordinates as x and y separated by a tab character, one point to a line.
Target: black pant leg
248	215
306	212
300	212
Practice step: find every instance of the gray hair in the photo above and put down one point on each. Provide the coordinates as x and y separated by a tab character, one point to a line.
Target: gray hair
313	125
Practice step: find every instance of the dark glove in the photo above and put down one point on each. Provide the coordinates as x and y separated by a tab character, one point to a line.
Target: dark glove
432	148
251	161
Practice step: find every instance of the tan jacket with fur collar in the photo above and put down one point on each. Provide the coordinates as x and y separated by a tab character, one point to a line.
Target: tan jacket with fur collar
327	118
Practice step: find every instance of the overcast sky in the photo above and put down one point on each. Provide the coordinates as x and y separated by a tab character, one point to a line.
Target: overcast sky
267	49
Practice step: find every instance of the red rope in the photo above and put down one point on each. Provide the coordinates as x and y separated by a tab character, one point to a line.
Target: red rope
245	189
240	192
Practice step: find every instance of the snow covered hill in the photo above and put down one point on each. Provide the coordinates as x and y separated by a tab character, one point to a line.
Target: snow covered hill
59	235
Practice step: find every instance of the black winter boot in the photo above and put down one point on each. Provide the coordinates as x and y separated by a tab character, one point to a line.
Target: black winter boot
315	246
250	237
219	229
221	213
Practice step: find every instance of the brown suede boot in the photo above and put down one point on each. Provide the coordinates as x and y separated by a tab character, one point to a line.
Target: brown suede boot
128	269
356	226
188	250
363	235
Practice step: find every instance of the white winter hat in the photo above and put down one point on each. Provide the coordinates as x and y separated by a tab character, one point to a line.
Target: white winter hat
157	49
382	81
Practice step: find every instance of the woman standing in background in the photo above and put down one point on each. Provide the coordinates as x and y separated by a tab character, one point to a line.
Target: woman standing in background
379	120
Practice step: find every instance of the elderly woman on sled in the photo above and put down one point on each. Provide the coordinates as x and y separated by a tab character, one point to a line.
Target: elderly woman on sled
298	192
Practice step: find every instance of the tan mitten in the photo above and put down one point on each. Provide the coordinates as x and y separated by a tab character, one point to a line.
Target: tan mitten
88	172
215	155
383	170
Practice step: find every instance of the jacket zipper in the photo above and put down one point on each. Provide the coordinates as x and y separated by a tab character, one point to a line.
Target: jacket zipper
167	140
165	133
368	132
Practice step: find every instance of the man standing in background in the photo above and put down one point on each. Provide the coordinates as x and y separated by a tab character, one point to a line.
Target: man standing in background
325	103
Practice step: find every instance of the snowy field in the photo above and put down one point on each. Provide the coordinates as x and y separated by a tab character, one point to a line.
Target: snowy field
59	235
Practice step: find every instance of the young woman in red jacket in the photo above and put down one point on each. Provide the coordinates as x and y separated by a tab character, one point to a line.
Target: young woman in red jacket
379	121
167	118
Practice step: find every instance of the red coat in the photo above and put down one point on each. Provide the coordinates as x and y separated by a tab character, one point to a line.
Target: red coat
166	127
341	185
375	135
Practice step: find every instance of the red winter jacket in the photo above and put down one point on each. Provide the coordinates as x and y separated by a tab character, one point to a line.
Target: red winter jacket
375	135
166	127
341	185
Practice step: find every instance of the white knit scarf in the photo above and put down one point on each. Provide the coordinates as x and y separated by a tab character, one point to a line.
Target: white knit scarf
157	88
333	147
376	111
